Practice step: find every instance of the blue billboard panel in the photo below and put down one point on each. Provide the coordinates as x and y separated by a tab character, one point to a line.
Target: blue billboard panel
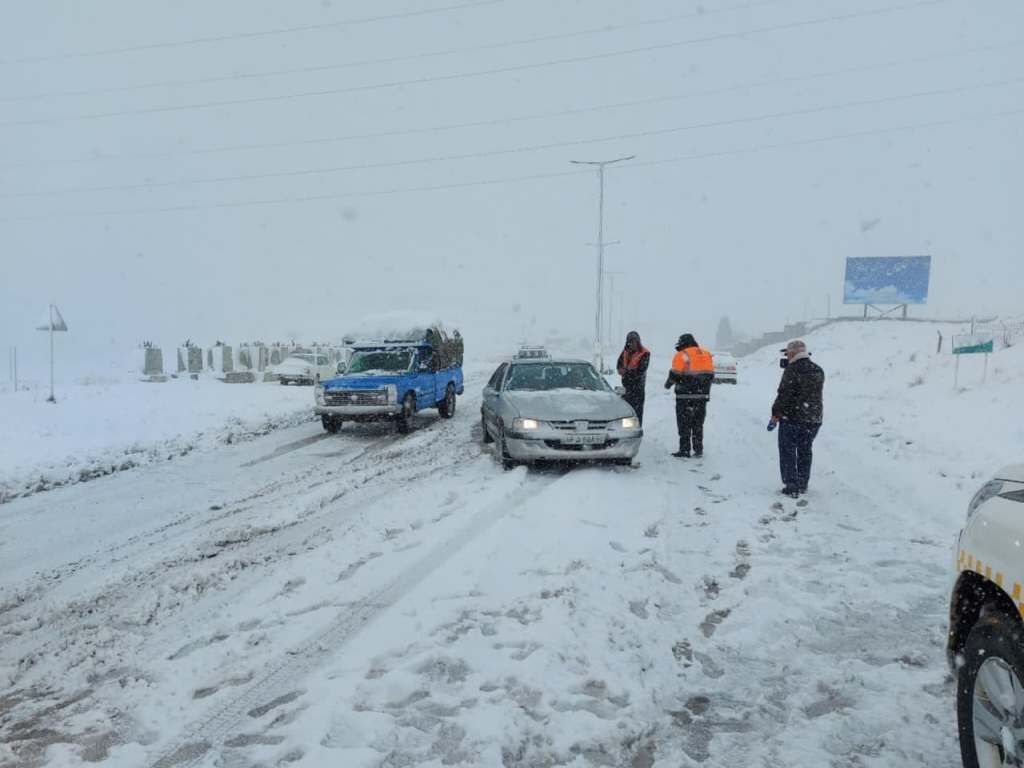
887	280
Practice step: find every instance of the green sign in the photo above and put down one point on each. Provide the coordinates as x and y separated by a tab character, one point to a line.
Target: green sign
974	344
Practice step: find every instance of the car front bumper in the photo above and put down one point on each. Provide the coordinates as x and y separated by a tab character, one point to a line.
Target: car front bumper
357	412
620	445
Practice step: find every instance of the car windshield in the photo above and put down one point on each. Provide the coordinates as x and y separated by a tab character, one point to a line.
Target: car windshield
540	377
392	361
303	358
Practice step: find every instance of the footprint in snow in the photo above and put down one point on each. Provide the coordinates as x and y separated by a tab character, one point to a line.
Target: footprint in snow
713	620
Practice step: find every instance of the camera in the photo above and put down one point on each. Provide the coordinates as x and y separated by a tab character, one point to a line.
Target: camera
784	362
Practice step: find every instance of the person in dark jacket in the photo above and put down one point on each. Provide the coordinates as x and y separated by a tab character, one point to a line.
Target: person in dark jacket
633	363
692	372
798	410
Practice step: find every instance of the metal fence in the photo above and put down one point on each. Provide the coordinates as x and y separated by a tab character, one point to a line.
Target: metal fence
1007	331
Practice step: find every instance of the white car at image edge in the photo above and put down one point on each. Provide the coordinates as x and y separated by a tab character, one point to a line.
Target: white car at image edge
986	630
305	368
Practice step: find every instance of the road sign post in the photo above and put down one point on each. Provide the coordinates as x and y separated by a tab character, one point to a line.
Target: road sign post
972	344
56	323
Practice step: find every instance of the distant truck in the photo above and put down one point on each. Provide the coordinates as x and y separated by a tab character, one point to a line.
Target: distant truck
394	378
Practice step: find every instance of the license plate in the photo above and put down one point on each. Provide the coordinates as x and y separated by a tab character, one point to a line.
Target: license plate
583	439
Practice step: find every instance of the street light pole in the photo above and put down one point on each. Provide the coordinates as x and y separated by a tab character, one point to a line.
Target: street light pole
612	293
599	309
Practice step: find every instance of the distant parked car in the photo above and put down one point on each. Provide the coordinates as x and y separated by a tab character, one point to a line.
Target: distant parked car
986	633
557	410
725	368
305	368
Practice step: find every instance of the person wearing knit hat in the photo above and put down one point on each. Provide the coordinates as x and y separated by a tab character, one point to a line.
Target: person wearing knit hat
798	411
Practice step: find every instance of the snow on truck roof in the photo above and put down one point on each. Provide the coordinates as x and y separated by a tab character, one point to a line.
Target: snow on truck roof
397	328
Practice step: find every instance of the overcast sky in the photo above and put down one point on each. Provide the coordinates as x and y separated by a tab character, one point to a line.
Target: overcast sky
774	139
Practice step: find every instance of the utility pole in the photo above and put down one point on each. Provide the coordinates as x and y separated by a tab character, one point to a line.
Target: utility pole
611	300
600	164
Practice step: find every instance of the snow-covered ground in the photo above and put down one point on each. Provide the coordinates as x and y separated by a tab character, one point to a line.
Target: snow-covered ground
367	600
105	424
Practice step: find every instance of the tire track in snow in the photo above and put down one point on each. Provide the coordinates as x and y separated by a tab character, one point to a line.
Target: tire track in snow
60	640
280	680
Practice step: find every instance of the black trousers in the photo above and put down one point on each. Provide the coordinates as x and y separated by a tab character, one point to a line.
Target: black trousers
690	416
635	397
796	441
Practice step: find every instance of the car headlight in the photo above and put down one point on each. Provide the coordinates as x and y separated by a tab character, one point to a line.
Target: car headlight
525	424
630	422
989	490
392	393
318	394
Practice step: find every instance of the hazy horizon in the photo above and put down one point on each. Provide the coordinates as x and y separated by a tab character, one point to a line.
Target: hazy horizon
773	141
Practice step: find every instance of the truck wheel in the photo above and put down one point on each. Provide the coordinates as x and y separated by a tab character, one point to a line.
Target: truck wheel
404	421
331	424
485	435
988	701
447	406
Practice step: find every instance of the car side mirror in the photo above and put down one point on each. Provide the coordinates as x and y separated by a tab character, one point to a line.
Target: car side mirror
341	369
424	368
620	391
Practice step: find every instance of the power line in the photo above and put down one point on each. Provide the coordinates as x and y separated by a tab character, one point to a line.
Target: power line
534	116
515	179
523	148
248	35
478	73
396	59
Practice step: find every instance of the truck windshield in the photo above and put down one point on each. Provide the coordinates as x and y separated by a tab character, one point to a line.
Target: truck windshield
389	361
546	376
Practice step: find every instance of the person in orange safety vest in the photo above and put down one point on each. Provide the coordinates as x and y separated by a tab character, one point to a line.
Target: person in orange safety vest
632	368
693	371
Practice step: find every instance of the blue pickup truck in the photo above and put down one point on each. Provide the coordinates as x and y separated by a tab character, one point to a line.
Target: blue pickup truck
393	379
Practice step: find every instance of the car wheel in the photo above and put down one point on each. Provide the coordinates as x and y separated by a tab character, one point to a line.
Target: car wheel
990	694
404	421
447	407
507	462
485	435
331	424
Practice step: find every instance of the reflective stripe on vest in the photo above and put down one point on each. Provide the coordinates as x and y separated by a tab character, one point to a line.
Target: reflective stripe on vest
693	361
632	360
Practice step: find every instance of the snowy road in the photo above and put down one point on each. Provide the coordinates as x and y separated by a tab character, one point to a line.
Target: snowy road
369	600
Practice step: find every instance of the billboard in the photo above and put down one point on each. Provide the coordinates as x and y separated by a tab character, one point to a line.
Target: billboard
887	280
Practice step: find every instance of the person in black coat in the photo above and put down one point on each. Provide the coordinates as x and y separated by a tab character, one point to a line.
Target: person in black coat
692	372
632	367
798	410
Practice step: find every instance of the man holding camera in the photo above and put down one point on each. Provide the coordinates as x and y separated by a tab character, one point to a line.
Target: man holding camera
797	411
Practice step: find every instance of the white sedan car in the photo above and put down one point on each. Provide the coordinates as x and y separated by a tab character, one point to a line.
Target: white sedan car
725	368
986	632
539	409
305	368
